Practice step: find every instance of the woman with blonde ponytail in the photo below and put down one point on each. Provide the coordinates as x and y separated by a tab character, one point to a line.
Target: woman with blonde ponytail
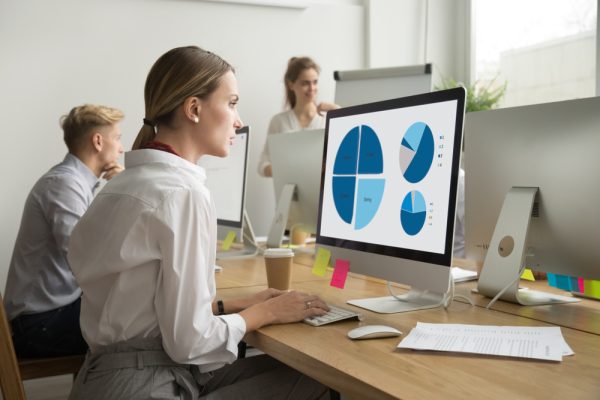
144	257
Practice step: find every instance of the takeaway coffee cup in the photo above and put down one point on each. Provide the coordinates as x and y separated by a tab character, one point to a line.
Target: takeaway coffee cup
278	263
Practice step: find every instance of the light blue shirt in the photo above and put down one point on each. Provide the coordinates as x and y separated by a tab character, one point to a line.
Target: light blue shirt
39	277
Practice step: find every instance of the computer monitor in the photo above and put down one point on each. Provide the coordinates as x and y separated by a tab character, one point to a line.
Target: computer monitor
296	158
388	193
532	194
226	180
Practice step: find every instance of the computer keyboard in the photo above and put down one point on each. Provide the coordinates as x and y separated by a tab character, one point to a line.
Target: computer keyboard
333	315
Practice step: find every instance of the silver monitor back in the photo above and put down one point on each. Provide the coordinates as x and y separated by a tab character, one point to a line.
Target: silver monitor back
296	158
553	147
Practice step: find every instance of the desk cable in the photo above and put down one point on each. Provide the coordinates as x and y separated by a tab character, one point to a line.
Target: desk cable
453	295
253	242
447	299
500	293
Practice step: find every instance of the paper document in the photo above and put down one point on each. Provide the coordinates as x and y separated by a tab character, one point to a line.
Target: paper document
544	343
462	275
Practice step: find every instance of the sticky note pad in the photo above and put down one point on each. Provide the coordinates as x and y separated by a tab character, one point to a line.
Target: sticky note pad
340	273
527	275
592	288
581	285
574	284
551	279
228	240
321	261
563	282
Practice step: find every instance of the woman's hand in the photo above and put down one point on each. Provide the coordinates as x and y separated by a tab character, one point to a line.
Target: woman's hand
264	296
284	308
322	108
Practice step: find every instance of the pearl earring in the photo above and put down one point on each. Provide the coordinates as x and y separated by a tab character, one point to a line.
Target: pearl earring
196	120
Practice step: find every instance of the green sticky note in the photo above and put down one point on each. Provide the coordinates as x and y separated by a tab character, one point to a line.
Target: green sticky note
228	240
321	261
527	275
592	288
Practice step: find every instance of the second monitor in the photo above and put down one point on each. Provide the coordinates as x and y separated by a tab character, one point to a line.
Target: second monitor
296	158
226	180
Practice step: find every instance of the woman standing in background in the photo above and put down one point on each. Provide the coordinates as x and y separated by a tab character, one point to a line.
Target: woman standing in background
301	82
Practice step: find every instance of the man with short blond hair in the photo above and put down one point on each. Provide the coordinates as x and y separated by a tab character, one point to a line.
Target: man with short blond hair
42	298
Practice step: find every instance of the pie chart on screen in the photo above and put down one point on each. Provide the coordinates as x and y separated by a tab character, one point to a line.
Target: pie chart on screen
413	213
416	152
356	186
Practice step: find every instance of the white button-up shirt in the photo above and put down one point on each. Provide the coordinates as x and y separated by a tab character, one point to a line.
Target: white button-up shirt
144	256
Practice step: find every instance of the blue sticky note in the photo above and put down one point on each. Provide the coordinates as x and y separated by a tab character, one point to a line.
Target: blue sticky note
551	279
563	282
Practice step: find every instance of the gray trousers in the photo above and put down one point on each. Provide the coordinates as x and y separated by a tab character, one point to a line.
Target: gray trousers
140	369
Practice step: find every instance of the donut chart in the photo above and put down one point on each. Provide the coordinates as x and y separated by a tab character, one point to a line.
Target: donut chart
357	191
416	152
413	213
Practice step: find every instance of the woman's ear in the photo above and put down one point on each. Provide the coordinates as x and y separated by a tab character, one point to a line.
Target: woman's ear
191	109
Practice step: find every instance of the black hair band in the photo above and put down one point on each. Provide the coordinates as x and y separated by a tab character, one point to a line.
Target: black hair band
149	122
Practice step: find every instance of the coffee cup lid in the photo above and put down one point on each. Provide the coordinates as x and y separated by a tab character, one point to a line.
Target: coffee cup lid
276	253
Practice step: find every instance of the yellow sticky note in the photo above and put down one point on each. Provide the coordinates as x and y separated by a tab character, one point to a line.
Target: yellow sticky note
321	261
228	240
527	275
592	288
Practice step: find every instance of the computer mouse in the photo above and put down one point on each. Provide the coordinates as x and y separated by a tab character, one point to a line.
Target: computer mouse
373	331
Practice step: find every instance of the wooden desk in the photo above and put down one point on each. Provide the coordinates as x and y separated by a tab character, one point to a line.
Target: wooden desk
584	316
243	272
374	369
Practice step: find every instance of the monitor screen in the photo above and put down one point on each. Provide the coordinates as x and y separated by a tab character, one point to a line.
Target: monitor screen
226	180
389	184
552	147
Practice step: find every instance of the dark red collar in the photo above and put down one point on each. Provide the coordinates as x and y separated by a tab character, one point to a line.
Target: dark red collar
159	146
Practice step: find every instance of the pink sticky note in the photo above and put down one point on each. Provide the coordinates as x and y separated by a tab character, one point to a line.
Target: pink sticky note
340	272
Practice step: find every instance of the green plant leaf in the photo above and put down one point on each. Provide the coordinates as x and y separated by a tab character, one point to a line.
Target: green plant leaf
480	96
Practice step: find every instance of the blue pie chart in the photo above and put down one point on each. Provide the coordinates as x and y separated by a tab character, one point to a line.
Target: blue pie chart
416	152
357	191
413	213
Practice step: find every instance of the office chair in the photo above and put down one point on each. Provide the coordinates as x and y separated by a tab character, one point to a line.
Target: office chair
13	371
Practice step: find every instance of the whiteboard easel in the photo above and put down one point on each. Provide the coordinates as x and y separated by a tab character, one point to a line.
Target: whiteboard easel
376	84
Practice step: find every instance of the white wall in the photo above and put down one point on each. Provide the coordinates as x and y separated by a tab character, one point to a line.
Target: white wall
411	32
61	53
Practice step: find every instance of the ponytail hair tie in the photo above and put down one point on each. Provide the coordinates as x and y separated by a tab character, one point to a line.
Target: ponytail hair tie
151	124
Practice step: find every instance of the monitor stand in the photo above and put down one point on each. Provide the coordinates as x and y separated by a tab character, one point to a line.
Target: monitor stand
412	301
505	258
281	216
249	249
